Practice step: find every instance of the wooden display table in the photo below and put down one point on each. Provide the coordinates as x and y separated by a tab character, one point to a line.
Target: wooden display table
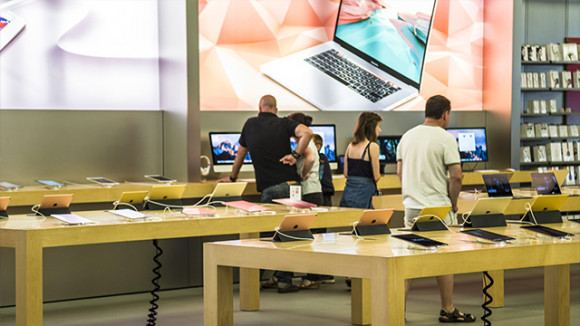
387	262
29	235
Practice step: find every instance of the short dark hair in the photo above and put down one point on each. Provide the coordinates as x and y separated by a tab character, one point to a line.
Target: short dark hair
437	106
301	118
366	127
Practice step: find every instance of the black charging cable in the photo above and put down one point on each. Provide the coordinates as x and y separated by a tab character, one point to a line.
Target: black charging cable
152	317
488	299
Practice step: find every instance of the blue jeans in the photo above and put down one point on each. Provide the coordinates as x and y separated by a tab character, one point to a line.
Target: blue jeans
281	190
358	192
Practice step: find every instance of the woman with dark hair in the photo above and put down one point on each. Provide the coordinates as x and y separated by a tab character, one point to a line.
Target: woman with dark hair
361	163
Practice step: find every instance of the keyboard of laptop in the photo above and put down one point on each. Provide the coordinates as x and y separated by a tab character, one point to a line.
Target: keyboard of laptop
332	63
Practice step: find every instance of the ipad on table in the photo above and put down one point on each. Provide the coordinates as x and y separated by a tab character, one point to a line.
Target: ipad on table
419	240
294	203
491	236
246	206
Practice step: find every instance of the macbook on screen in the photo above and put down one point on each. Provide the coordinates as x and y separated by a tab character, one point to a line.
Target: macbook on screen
374	62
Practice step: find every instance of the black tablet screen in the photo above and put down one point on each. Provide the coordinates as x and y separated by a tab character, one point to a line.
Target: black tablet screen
417	239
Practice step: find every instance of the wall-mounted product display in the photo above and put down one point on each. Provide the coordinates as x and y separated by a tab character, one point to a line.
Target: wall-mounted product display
549	130
305	50
80	54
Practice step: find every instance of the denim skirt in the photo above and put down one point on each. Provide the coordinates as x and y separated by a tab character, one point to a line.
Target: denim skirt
358	192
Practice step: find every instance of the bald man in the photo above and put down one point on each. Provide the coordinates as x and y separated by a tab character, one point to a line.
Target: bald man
267	139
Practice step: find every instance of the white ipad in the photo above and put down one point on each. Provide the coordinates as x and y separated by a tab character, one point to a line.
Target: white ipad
103	181
160	178
10	26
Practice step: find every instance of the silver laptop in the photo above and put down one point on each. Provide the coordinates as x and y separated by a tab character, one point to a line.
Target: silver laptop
374	62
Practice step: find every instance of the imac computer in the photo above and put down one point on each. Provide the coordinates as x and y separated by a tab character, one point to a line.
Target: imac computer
328	134
388	148
224	147
471	142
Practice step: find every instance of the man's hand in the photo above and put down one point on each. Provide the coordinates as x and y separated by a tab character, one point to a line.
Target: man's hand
226	179
288	159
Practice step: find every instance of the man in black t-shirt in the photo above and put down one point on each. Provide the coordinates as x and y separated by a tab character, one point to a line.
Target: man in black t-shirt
267	138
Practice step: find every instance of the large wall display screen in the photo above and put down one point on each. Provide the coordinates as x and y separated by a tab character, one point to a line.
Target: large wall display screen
433	46
80	54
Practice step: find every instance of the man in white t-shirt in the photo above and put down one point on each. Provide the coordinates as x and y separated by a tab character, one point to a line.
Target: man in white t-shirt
429	168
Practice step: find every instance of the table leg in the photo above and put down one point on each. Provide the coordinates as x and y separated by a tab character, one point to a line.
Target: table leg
557	295
28	282
218	292
249	283
388	295
360	298
497	289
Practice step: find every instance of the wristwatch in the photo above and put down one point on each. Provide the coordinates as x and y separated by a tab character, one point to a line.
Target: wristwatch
296	155
232	179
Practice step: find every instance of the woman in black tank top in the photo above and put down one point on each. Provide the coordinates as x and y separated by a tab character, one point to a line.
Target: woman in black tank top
362	169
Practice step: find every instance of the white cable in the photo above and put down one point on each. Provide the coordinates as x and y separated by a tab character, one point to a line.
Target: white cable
465	216
164	205
528	208
118	203
442	221
277	229
36	209
354	224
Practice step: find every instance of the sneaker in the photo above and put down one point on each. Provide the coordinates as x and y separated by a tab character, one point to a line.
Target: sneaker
270	284
328	281
287	288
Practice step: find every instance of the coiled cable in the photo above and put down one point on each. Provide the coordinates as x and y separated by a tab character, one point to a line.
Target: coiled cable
152	317
488	299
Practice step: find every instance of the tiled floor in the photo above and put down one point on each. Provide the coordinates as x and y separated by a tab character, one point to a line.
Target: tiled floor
330	305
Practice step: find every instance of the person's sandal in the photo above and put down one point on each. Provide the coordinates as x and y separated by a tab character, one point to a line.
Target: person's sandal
309	285
270	284
455	317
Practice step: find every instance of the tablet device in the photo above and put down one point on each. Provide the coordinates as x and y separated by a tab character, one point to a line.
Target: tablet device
546	183
198	211
548	231
9	186
246	206
228	189
375	217
549	203
487	235
55	201
497	185
296	222
160	178
419	240
294	203
487	206
128	213
50	183
72	219
133	197
4	201
166	192
429	214
103	181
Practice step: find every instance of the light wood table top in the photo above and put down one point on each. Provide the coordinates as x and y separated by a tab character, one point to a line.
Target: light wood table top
387	261
94	193
30	234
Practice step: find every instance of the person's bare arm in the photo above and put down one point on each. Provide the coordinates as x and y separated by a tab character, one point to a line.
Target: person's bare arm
400	171
303	135
309	159
375	151
345	165
455	178
242	152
